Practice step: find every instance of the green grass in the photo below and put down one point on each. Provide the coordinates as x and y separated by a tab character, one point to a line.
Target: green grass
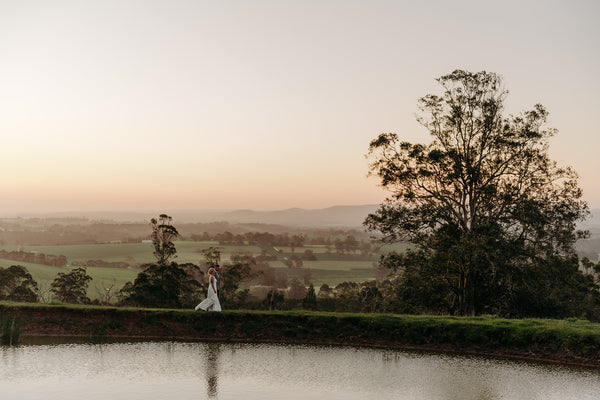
332	265
126	252
331	269
101	277
38	271
571	340
332	277
133	253
397	247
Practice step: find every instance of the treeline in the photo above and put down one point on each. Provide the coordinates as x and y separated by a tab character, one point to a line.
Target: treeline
17	284
347	244
46	232
249	282
33	233
252	238
104	264
553	288
34	258
56	260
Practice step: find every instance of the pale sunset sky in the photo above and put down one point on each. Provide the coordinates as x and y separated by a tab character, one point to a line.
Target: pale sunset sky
162	105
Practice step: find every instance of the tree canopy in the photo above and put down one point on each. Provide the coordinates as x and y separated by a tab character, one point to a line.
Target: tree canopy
483	201
72	287
167	286
164	284
163	234
16	284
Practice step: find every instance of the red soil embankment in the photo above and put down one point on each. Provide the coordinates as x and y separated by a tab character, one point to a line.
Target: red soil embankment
392	332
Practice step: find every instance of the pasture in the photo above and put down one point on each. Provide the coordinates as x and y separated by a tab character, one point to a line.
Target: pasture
102	278
132	253
330	268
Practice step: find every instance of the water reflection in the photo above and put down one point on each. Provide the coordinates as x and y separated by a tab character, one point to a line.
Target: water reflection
160	370
212	369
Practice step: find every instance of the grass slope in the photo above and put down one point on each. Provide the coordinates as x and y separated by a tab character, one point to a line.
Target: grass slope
567	341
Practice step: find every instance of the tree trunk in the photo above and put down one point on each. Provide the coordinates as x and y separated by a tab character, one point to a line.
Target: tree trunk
466	293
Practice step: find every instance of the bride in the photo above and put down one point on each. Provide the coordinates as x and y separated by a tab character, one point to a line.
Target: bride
211	301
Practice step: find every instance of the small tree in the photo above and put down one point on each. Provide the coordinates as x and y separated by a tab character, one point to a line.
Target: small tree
310	300
232	277
325	292
307	275
16	284
163	234
107	292
370	297
309	255
297	289
163	284
72	287
273	300
212	255
166	286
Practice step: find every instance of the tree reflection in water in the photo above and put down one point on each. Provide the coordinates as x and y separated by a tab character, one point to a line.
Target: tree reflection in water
174	370
213	352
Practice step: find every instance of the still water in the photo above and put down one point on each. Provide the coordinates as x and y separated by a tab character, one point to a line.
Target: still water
178	371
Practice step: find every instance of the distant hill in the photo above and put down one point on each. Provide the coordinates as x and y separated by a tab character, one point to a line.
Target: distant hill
592	222
331	217
337	216
343	217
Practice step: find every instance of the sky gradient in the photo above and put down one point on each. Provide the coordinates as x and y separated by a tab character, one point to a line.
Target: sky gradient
165	105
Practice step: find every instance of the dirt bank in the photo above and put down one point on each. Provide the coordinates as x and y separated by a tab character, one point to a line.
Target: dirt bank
98	324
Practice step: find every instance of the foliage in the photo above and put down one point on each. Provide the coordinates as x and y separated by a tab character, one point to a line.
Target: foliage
233	275
71	287
370	298
17	284
310	300
325	292
212	255
330	268
10	330
485	205
297	289
560	290
273	300
163	234
34	257
572	339
166	286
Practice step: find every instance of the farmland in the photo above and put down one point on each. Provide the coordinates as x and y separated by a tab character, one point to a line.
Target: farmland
329	267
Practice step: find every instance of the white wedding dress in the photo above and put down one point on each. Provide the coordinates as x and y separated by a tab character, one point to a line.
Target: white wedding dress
212	300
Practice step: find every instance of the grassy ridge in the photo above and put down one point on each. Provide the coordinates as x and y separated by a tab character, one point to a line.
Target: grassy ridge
568	341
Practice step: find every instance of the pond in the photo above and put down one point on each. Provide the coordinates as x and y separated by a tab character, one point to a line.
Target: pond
179	371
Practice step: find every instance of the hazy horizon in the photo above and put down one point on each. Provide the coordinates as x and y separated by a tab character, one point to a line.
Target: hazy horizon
156	211
264	105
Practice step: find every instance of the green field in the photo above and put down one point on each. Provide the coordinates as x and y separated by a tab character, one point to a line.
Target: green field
330	268
132	253
102	278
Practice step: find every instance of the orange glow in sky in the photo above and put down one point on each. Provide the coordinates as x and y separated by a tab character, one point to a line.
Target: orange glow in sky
151	105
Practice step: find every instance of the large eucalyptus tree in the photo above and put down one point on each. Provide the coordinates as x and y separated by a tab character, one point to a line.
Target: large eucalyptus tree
482	201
